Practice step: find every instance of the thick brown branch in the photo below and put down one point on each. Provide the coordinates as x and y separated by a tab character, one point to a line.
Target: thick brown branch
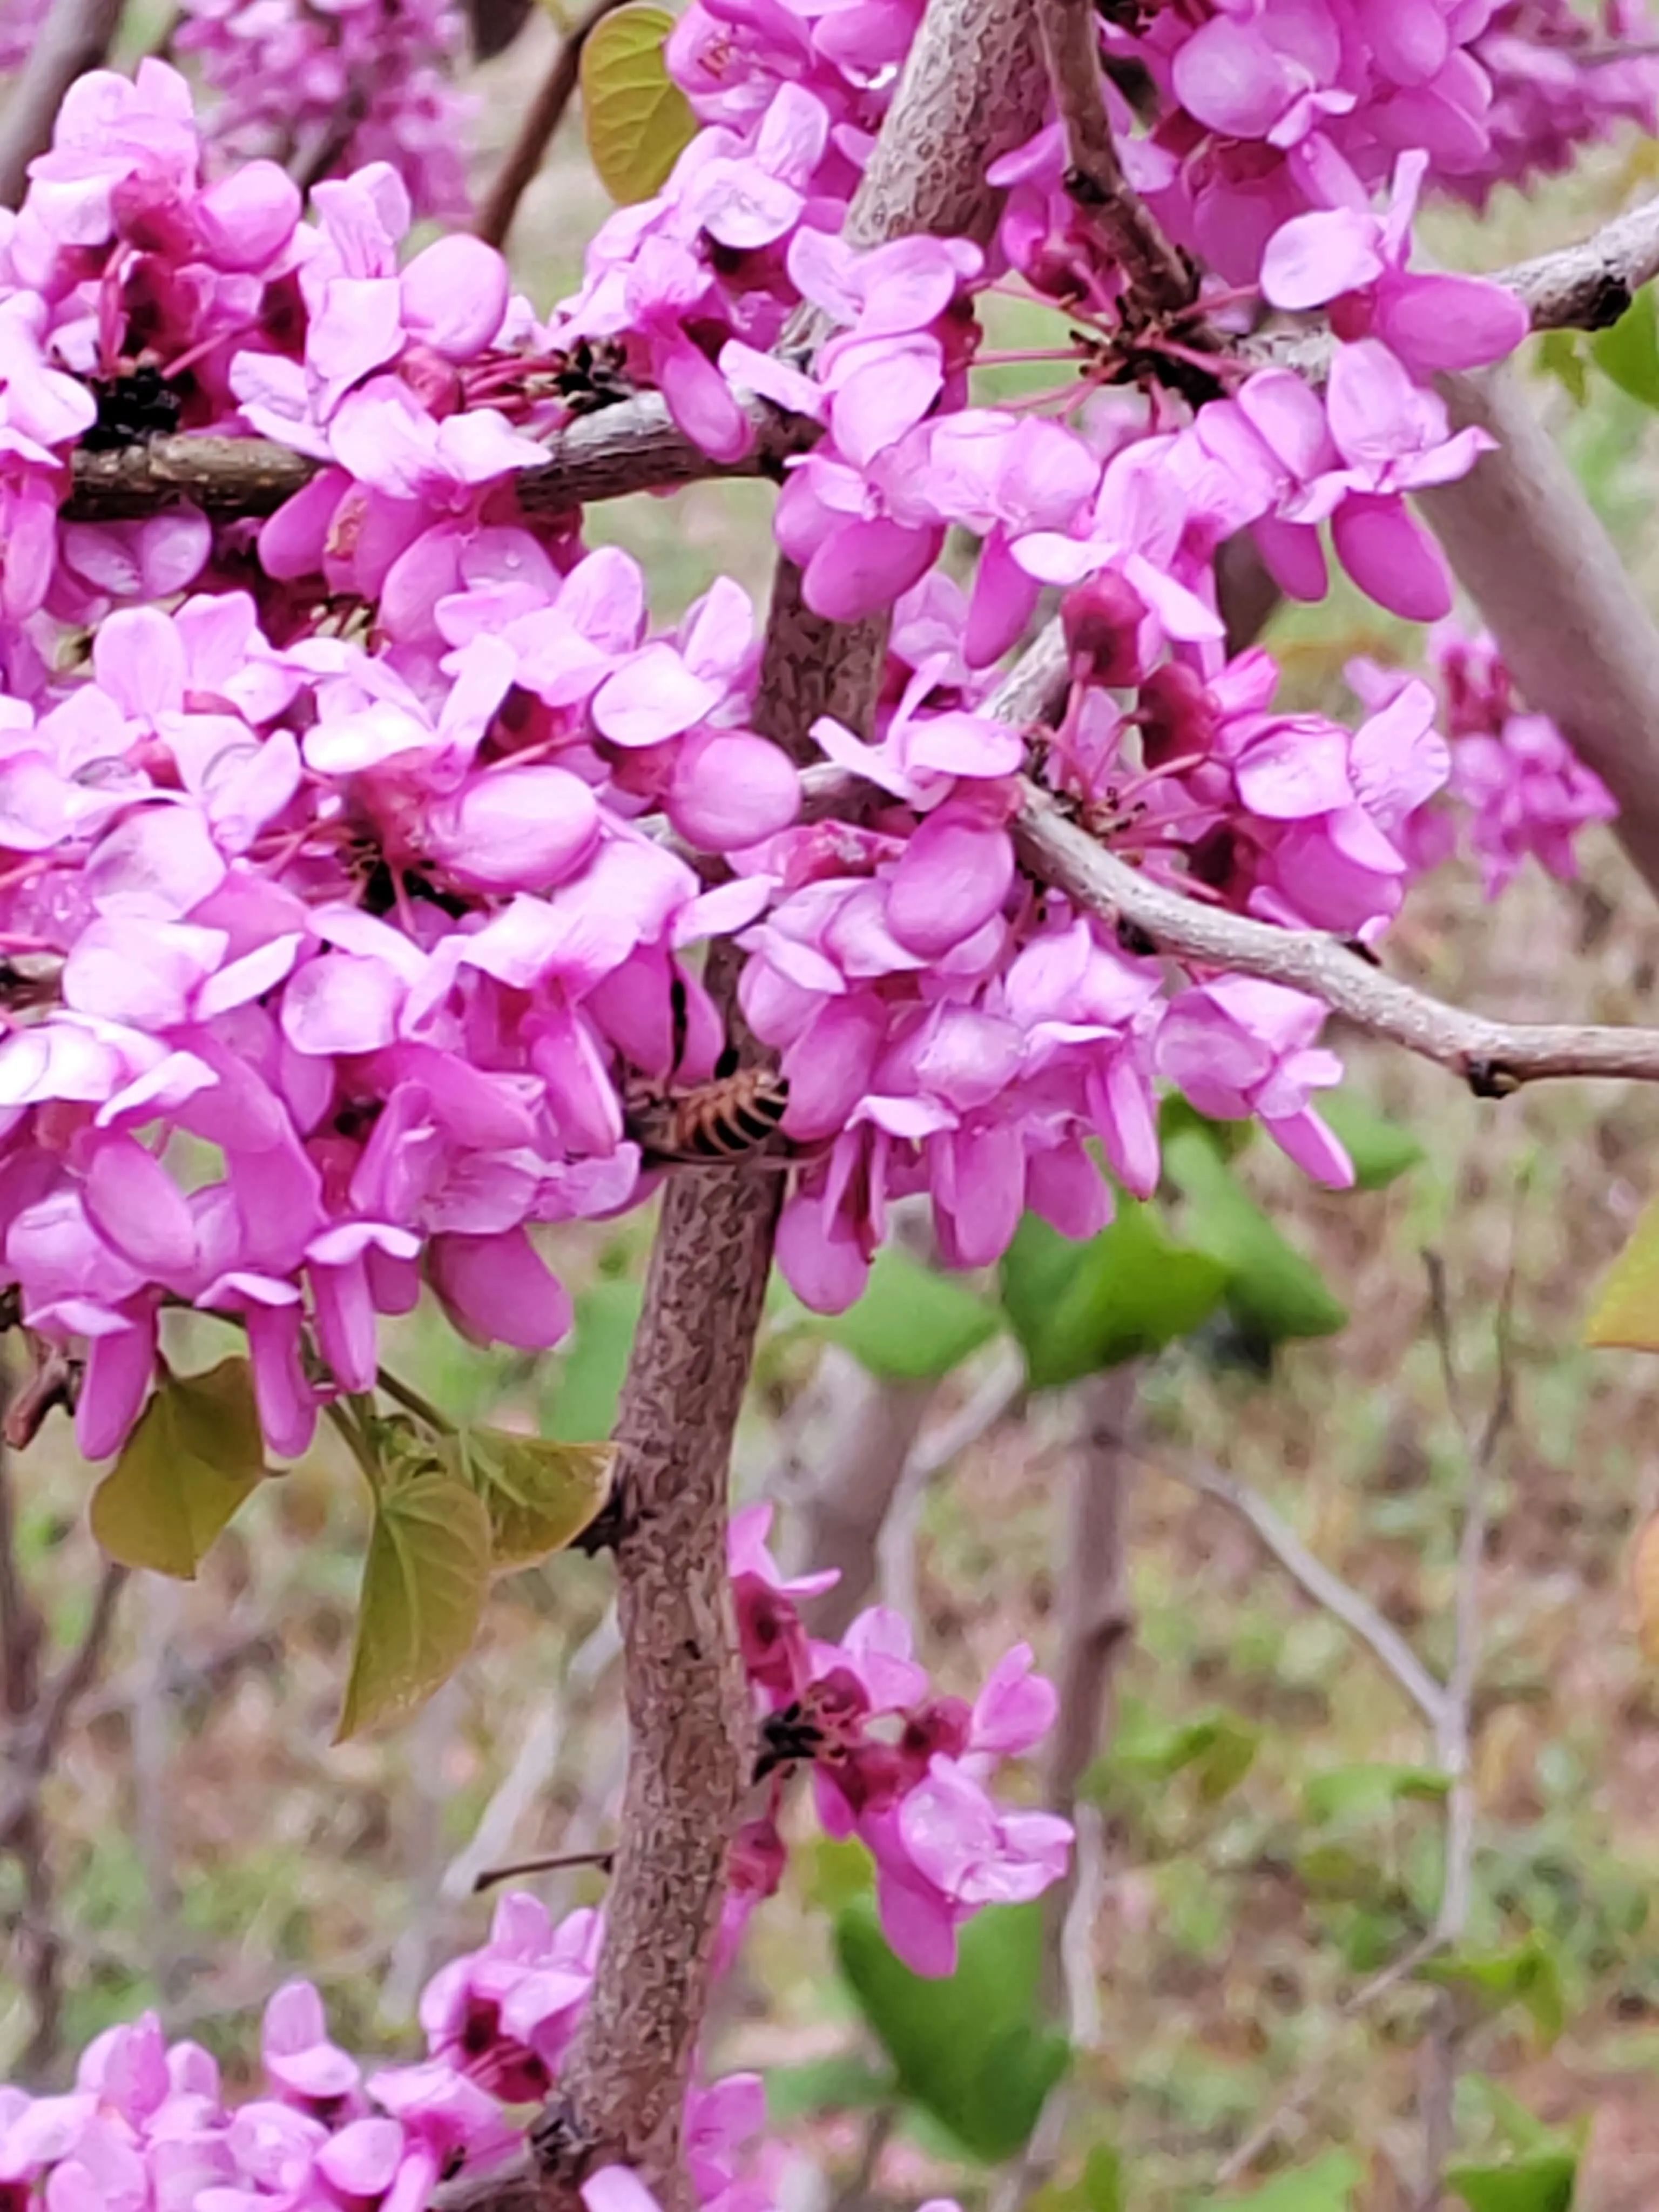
74	37
1159	282
1527	548
542	118
1587	286
1491	1056
635	446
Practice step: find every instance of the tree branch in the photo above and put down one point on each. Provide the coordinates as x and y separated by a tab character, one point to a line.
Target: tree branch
1492	1057
1587	286
542	118
1527	548
1340	1599
1158	280
635	446
74	37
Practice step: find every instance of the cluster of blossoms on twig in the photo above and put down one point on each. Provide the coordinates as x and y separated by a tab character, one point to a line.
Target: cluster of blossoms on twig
147	2128
355	854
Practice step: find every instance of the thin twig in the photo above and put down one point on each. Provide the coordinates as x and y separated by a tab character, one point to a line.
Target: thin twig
1158	280
1339	1599
549	1862
1492	1057
542	118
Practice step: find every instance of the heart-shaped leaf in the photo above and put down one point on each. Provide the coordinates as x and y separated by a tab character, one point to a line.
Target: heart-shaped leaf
424	1582
539	1495
637	119
196	1454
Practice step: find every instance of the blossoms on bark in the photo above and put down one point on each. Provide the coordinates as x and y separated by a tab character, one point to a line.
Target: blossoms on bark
147	2127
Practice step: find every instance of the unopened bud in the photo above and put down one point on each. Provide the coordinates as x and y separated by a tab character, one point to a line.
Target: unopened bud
1177	716
1103	621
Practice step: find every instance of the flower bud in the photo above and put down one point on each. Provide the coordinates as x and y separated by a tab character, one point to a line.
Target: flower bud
1177	716
1103	621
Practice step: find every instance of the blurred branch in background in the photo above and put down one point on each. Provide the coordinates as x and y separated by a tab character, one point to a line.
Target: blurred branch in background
541	119
996	1396
1096	1624
1448	1708
856	1444
74	37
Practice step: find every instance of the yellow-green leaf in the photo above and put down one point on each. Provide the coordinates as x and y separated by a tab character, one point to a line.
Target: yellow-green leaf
637	119
195	1454
539	1495
424	1583
1627	1313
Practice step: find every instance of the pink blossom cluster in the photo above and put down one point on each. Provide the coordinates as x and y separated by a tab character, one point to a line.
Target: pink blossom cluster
1516	783
147	2127
1271	107
1563	77
326	87
894	1763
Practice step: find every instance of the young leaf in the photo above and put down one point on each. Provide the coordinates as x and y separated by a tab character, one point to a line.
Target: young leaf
196	1454
911	1323
539	1495
1559	355
1100	2187
1368	1790
969	2051
1216	1748
1626	1315
1629	351
1529	1976
587	1382
1327	2185
1130	1290
424	1582
841	2083
1273	1292
1545	2182
1380	1149
637	119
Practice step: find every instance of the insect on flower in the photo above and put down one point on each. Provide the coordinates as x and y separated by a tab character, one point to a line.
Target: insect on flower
723	1122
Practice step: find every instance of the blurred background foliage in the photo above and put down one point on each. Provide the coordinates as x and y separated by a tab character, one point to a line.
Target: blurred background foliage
1268	1812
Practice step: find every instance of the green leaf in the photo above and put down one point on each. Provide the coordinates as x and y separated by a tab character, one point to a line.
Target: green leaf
970	2050
1273	1290
424	1582
1627	1315
196	1454
587	1382
637	119
843	2084
1560	355
1176	1115
1126	1292
1327	2185
1380	1149
911	1324
1629	351
1529	1976
1368	1790
539	1495
1216	1748
1100	2187
1545	2182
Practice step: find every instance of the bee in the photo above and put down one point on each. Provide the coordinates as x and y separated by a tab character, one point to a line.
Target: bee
139	403
723	1122
787	1739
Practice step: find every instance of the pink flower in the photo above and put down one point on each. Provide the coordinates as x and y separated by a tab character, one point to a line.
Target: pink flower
1358	261
1239	1047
